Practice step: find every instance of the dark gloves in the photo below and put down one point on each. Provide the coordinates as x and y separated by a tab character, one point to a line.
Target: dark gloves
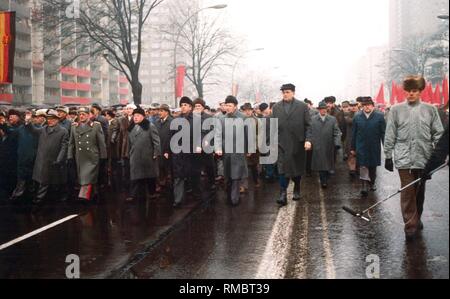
389	165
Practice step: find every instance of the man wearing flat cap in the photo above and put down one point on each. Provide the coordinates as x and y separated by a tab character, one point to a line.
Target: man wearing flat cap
163	126
413	130
50	168
368	131
87	146
235	163
63	112
294	123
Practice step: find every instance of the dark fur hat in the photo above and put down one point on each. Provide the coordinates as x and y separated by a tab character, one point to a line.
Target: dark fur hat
186	100
414	83
199	101
231	100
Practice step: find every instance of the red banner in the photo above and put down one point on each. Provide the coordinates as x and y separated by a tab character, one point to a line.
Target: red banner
445	90
380	97
437	97
7	46
393	94
181	73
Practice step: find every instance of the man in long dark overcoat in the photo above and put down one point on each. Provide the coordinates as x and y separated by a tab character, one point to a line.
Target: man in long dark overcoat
50	170
145	149
294	124
369	127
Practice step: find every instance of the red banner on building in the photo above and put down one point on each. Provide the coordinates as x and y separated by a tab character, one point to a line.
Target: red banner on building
181	73
7	46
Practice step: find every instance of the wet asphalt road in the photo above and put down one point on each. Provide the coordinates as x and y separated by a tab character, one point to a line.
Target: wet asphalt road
313	238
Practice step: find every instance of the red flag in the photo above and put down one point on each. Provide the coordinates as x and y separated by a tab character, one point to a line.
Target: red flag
437	98
235	90
7	46
380	97
181	73
401	94
427	94
445	90
394	94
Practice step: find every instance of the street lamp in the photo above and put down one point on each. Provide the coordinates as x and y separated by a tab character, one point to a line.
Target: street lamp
219	6
443	17
236	64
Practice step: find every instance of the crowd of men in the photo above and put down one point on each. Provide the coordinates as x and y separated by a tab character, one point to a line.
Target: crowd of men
50	153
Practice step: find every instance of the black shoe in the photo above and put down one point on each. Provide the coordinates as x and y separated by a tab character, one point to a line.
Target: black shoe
410	237
324	186
365	189
282	201
373	188
176	206
37	201
421	227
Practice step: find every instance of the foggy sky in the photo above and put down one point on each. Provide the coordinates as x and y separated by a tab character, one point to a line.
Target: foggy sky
314	42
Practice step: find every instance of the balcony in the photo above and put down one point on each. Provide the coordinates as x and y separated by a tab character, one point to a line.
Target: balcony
65	100
21	10
96	88
22	28
52	83
6	97
52	100
96	74
21	81
23	99
22	46
22	63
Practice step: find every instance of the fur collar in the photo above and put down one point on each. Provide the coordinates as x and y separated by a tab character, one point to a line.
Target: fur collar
145	125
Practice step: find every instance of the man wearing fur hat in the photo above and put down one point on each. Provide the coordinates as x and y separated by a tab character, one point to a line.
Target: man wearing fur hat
413	130
182	163
87	146
294	123
145	149
202	160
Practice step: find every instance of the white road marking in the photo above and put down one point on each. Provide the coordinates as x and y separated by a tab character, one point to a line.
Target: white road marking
36	232
274	262
300	267
331	272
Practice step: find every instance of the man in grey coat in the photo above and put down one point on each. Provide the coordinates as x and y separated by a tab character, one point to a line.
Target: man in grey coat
326	139
413	130
145	149
50	170
235	158
294	123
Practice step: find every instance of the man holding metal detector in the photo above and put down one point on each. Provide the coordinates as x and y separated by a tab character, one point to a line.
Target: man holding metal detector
413	130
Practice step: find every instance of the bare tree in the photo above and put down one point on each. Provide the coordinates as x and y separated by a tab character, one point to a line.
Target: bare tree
205	44
90	29
421	55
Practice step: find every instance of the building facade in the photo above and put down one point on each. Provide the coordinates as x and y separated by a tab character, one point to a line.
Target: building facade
56	79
